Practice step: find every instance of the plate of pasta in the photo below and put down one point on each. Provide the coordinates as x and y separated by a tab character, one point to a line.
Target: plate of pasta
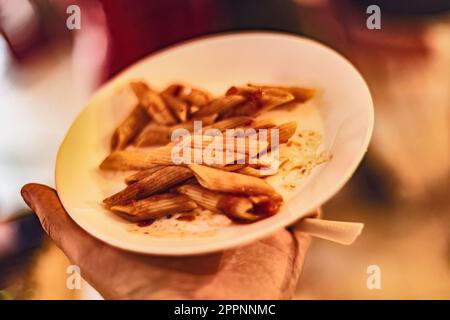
214	143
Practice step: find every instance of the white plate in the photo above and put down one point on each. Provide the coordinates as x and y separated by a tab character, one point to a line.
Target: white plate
215	63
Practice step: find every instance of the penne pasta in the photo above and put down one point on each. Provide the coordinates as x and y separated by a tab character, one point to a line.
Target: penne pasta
250	171
193	96
300	94
189	125
235	207
178	107
155	207
232	206
153	135
231	182
129	128
203	197
159	181
179	155
248	145
160	135
260	124
205	120
231	123
140	89
138	159
135	177
126	160
153	104
284	132
220	105
233	167
260	99
207	130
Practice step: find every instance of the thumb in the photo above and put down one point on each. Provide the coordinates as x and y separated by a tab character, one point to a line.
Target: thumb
67	235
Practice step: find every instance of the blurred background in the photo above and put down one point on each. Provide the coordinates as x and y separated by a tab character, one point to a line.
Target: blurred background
400	191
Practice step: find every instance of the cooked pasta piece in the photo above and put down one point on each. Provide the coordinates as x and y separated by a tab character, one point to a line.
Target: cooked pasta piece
220	105
259	100
179	155
233	167
160	180
126	160
250	171
231	182
241	140
261	124
232	206
153	135
264	138
155	207
248	145
139	159
205	198
189	125
300	94
235	207
193	96
285	132
207	124
205	120
230	123
178	107
159	135
140	89
153	104
129	128
135	177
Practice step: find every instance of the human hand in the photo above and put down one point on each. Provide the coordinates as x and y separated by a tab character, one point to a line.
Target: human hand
265	269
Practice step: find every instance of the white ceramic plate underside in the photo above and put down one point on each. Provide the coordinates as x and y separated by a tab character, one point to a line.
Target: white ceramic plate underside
215	63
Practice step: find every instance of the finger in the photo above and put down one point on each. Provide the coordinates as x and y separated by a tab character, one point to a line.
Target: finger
67	235
301	243
303	239
299	247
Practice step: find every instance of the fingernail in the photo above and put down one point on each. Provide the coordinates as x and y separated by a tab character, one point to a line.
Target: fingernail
26	196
